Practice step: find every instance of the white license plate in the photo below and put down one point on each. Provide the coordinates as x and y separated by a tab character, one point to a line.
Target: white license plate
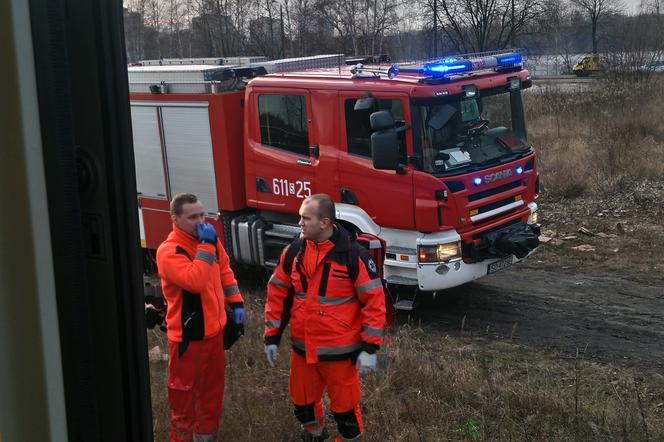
499	265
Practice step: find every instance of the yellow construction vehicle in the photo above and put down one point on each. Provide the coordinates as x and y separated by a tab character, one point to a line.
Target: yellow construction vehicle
587	65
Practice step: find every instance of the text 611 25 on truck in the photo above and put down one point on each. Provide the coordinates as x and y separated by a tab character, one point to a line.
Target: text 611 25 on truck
431	157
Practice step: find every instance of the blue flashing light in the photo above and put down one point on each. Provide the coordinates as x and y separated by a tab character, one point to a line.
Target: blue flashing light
519	170
509	60
477	180
447	66
393	71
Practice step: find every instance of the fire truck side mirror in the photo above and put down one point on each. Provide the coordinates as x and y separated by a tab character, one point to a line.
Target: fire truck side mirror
384	143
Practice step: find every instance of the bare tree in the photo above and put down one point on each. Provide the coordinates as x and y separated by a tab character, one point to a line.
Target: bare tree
177	19
597	11
481	25
556	28
134	28
379	17
222	25
360	24
653	7
154	17
342	15
300	13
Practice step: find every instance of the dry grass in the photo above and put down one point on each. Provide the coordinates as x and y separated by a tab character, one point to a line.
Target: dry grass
437	387
592	139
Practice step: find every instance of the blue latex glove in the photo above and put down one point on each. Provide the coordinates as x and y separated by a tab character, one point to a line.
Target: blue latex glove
206	233
238	315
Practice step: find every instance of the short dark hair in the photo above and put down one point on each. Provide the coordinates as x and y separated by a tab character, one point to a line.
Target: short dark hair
325	205
180	200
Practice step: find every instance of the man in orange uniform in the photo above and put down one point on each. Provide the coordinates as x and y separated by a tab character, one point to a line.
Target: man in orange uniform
198	284
328	286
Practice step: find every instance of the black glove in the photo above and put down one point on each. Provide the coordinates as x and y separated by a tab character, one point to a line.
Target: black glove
153	316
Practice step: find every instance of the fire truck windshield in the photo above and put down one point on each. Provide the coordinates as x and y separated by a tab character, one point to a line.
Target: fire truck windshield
468	134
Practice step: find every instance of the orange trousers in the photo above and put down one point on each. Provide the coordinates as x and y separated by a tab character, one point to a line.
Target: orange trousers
196	388
308	383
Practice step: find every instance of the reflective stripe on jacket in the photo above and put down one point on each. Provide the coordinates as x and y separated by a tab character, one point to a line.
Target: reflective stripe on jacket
332	316
197	281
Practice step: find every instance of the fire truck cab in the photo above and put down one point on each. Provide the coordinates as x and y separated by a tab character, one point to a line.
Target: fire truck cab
433	158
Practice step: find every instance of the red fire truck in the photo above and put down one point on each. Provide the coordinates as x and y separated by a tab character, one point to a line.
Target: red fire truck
431	157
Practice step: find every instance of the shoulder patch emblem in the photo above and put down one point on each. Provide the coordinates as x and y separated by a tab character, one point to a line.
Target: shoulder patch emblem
372	265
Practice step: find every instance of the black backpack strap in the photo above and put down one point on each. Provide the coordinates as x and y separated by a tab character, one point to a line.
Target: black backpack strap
357	251
291	253
353	254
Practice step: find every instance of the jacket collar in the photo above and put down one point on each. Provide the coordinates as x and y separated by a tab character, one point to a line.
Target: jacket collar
341	238
183	237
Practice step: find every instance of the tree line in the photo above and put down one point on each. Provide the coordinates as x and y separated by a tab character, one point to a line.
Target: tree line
406	30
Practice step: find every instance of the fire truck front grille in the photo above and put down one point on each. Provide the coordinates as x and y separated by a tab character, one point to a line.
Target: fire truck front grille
494	191
496	205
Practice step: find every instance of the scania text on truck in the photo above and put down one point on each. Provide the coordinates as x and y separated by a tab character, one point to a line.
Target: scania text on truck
433	158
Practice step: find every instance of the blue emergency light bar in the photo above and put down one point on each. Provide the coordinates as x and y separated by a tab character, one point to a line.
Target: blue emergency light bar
458	65
509	60
447	66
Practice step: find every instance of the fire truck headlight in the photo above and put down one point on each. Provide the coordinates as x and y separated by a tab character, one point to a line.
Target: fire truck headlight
439	252
534	217
447	252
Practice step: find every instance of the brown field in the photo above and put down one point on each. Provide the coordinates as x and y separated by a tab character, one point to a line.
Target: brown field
436	386
602	168
601	163
598	139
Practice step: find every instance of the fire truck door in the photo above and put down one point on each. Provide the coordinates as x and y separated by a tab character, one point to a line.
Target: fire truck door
280	163
384	194
153	211
173	151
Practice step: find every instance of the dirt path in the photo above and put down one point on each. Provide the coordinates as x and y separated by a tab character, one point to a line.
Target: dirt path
612	317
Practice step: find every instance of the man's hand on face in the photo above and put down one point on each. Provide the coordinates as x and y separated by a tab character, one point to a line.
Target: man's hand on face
206	233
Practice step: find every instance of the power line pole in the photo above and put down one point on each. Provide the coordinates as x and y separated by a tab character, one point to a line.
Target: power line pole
283	37
435	28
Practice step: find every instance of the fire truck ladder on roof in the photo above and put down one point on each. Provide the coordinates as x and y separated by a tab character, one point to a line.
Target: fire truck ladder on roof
215	75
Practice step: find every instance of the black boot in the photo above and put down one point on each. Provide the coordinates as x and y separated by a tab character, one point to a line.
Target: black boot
308	437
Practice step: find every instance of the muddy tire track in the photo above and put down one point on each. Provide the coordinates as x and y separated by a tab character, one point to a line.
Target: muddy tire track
611	317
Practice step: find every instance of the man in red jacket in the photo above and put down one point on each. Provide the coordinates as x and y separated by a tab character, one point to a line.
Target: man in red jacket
328	287
198	284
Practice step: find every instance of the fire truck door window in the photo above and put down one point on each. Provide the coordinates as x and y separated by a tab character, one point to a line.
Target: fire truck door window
149	163
358	126
283	121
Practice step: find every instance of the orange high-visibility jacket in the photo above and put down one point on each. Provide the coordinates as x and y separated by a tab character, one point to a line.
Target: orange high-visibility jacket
197	281
332	317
